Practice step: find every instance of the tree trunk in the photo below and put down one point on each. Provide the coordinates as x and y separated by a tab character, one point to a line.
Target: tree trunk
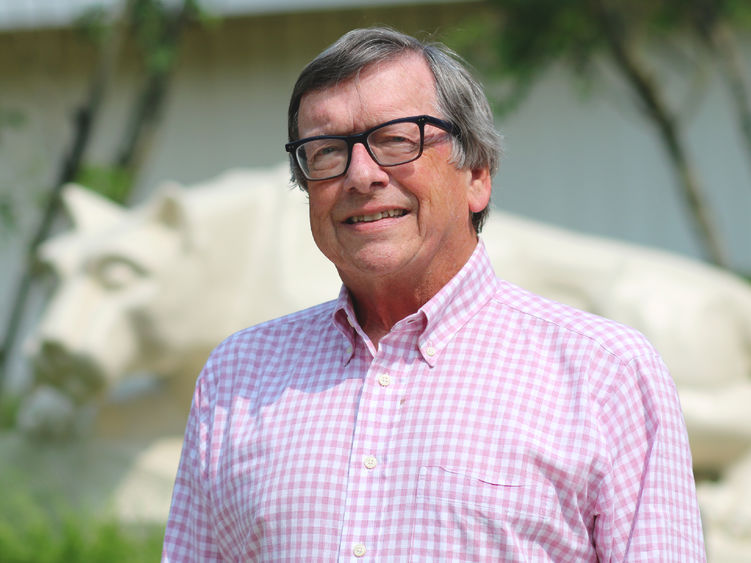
640	78
148	105
722	42
84	120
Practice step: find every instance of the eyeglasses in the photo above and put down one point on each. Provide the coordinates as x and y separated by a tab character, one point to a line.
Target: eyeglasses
392	143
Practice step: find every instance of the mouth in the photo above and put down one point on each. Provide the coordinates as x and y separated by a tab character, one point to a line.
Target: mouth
376	216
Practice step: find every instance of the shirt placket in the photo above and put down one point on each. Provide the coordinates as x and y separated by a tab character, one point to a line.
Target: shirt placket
367	487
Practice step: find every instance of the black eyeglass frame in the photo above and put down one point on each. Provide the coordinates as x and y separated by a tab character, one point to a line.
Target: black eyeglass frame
352	140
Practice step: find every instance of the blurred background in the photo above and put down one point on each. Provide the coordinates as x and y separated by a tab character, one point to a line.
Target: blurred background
629	119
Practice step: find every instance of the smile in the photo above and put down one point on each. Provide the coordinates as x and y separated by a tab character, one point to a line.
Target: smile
376	216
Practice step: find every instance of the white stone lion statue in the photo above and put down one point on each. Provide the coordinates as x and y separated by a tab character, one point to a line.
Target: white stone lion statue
150	290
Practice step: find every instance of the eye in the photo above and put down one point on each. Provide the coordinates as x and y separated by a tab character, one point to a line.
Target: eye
117	273
324	154
327	150
395	139
399	137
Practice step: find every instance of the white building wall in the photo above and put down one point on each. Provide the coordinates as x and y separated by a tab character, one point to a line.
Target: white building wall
594	163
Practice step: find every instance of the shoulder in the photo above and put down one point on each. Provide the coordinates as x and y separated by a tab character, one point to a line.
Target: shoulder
613	364
252	367
569	327
269	347
271	336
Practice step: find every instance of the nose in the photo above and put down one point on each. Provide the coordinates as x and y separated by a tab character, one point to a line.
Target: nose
364	173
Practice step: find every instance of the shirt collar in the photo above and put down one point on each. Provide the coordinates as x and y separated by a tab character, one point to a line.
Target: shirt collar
456	303
442	316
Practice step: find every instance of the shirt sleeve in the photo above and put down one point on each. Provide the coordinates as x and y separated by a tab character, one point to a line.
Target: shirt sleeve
189	534
647	506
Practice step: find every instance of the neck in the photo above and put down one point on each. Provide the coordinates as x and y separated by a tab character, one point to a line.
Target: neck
380	308
381	302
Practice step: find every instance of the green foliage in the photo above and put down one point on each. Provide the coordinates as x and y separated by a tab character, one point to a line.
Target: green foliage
518	40
11	118
700	15
8	221
93	24
8	410
149	20
153	24
32	533
112	182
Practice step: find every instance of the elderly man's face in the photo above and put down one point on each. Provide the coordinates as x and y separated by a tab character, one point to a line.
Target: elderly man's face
411	221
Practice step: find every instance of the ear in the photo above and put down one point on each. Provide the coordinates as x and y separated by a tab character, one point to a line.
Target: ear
89	211
171	211
479	188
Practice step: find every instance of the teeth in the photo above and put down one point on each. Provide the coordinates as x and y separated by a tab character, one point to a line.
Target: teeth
377	216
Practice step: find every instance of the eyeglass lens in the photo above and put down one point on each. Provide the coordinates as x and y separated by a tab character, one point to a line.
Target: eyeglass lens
389	145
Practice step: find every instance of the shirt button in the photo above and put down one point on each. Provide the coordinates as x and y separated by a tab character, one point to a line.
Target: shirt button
370	461
358	549
384	380
430	351
349	350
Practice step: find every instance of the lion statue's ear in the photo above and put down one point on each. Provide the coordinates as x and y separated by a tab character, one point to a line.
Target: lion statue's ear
171	211
89	211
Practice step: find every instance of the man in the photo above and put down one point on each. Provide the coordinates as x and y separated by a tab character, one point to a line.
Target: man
432	412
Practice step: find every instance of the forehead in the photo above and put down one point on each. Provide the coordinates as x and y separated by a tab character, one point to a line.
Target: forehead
386	90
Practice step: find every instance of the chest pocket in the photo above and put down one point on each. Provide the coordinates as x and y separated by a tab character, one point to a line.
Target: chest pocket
470	517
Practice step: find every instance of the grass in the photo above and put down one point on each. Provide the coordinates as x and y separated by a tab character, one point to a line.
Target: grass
38	526
31	532
8	409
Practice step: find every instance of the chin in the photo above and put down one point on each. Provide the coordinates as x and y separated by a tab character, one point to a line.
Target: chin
373	263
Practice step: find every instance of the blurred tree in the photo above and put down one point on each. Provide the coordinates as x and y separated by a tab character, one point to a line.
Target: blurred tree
520	39
154	26
155	32
10	118
711	20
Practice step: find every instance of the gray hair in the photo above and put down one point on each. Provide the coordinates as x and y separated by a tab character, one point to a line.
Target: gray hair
460	97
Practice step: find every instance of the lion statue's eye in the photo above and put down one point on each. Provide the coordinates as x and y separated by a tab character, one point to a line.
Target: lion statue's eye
118	273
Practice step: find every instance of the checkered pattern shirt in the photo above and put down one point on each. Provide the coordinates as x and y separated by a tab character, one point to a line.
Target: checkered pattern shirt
491	425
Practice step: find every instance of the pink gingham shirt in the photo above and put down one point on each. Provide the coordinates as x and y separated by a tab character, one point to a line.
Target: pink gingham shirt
491	425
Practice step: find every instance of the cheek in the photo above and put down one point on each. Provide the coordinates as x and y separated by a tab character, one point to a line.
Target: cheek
437	180
316	226
319	205
444	192
321	226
